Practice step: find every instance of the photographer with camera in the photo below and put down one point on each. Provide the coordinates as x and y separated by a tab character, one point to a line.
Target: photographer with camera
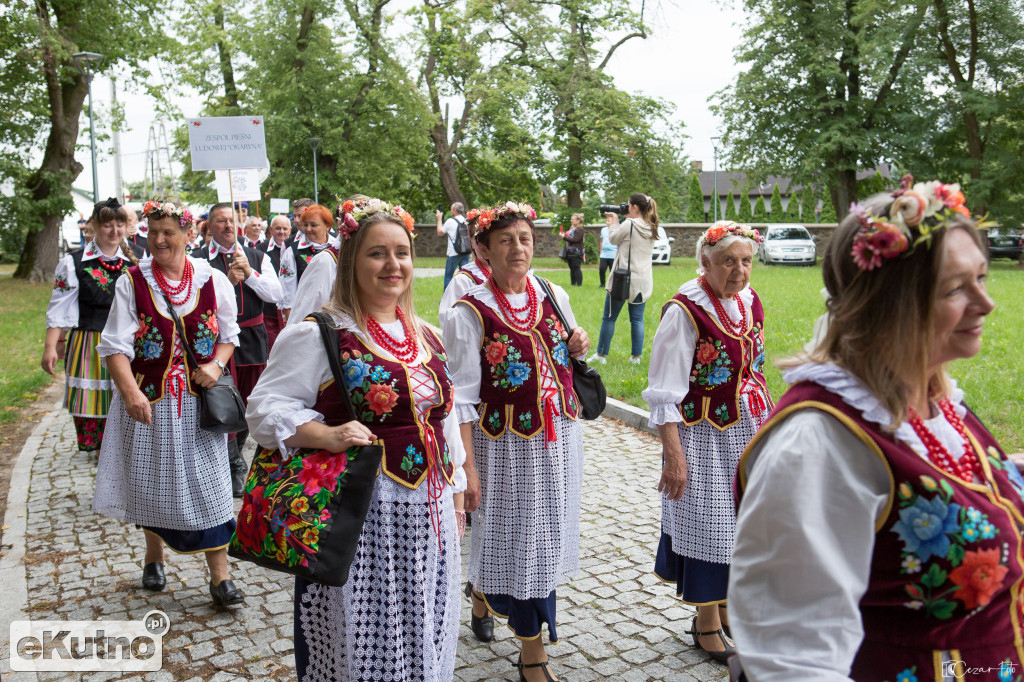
632	279
459	246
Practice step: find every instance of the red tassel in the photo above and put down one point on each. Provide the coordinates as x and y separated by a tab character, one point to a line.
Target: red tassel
550	435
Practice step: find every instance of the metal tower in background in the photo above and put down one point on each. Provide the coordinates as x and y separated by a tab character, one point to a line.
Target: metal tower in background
159	177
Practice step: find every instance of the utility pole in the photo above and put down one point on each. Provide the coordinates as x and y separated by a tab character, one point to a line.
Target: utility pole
118	187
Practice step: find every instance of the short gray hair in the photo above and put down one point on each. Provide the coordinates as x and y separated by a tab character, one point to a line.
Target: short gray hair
459	208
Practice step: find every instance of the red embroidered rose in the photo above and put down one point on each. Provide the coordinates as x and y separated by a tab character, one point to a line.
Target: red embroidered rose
143	328
211	322
979	577
252	522
321	471
495	352
381	399
706	353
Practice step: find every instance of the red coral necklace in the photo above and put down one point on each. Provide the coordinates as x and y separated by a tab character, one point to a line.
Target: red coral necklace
184	286
968	465
513	315
403	351
112	267
734	328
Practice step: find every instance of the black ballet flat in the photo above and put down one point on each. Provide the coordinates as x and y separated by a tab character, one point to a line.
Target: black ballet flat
153	576
226	594
542	665
720	656
482	626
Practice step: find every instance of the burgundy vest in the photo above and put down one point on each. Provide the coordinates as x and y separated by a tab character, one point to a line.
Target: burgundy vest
720	363
382	397
95	290
510	396
948	561
154	340
252	333
469	273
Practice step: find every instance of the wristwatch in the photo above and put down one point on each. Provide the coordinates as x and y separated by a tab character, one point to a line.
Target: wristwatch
223	367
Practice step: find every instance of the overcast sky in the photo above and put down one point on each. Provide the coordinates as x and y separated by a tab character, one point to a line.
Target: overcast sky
687	58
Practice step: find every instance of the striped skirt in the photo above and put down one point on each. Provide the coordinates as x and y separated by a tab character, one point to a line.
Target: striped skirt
88	390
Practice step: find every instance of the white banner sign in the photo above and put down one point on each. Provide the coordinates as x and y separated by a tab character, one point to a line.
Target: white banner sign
279	205
224	142
246	183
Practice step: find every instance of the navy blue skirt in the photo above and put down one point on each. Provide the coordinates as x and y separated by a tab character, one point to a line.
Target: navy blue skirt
698	583
524	616
193	541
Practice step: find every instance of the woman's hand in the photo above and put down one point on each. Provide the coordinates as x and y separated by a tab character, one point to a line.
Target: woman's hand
350	434
49	361
206	375
611	219
472	499
673	473
580	343
136	404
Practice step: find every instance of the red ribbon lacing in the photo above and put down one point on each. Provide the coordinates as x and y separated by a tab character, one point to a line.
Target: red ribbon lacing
435	484
176	381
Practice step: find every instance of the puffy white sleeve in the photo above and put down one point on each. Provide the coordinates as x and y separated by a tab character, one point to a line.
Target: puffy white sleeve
457	288
463	337
118	335
266	283
668	376
286	275
801	561
227	308
283	398
62	310
453	436
315	288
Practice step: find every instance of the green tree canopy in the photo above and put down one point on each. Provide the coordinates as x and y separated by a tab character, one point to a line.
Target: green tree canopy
730	207
695	206
760	213
776	215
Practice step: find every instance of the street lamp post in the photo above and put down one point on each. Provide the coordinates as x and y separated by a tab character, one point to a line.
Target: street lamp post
314	142
86	61
714	143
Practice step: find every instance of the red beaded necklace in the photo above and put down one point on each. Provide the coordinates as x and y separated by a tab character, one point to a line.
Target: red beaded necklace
511	314
112	267
403	351
171	292
483	269
968	465
734	328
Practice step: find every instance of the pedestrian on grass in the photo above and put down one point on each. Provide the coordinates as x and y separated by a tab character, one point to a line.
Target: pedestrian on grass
574	248
524	456
83	291
608	250
880	523
158	469
397	617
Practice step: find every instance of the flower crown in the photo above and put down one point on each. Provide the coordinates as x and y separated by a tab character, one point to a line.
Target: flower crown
723	228
156	209
485	216
354	211
925	208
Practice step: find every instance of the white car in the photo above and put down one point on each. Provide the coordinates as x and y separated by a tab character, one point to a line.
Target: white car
787	243
661	252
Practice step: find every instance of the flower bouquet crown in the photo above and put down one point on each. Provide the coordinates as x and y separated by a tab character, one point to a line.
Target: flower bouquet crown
486	216
723	228
167	209
916	213
355	211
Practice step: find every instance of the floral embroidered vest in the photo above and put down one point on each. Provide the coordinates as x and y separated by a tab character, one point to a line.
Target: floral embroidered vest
721	363
381	395
95	290
510	395
252	334
948	561
154	340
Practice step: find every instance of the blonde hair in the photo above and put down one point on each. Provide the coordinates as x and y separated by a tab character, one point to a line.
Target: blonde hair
880	321
577	216
345	293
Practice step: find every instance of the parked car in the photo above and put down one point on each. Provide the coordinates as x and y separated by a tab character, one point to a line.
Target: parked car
787	243
1005	246
661	252
70	235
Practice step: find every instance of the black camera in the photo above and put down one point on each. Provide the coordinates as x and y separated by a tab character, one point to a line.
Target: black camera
621	209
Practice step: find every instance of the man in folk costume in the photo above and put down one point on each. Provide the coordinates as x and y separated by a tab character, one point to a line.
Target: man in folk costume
254	278
253	234
277	241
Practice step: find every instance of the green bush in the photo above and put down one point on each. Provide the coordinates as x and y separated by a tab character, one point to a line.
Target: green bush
590	247
777	215
695	207
730	207
760	214
744	216
808	205
793	209
828	210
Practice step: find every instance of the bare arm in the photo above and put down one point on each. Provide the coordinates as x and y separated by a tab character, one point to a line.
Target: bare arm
472	479
319	436
136	404
673	469
49	361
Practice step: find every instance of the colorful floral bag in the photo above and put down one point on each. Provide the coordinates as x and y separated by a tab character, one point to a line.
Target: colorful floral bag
303	515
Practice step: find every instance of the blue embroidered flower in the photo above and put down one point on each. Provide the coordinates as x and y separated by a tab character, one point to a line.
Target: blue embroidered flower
923	527
1006	671
204	346
561	355
907	676
356	372
415	454
970	533
758	362
379	375
988	531
1016	479
973	515
151	350
719	375
517	373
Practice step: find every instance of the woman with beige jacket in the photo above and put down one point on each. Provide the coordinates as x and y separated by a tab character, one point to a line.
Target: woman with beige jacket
635	239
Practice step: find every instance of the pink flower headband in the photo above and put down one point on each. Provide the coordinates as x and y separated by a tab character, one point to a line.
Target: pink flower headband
486	217
355	211
156	209
723	228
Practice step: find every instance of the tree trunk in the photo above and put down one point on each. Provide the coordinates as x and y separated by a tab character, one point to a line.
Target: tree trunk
226	70
574	186
844	192
446	164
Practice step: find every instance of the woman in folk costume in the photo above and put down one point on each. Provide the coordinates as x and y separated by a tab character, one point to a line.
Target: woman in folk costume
514	398
708	396
397	617
83	291
314	237
880	524
472	274
158	469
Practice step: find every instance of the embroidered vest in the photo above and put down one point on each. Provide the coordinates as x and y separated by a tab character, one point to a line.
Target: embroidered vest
154	340
721	363
270	309
948	561
510	395
382	396
252	335
464	270
95	290
304	255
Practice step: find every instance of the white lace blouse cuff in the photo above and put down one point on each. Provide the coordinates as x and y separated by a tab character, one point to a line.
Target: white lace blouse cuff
466	413
62	322
459	481
664	413
289	424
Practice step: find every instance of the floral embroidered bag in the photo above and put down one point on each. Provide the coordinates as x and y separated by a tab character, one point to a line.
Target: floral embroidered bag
303	515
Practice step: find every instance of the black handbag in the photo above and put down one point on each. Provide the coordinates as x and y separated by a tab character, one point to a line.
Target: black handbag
325	526
620	278
585	380
221	409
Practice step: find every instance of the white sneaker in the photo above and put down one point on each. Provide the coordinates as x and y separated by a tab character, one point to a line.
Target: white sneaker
596	359
634	359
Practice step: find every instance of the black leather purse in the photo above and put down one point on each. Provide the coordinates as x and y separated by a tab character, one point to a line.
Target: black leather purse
221	409
585	380
620	278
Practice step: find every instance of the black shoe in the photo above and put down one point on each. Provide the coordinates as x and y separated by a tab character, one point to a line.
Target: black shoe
153	576
238	483
545	668
482	626
720	656
225	594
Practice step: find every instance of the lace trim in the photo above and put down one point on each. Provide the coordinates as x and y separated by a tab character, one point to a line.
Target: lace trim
289	424
665	413
65	322
91	384
201	274
693	291
466	413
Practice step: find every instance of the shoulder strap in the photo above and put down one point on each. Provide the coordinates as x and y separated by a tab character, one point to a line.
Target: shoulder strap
181	332
323	320
554	304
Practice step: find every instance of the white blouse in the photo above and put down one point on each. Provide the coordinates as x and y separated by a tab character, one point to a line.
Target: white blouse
284	397
62	311
288	272
802	561
118	335
463	338
675	342
265	284
457	288
315	288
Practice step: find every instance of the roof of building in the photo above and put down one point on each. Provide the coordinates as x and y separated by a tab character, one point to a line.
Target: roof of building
736	181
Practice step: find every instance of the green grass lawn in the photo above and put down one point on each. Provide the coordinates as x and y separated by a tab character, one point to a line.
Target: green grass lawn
792	302
22	328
